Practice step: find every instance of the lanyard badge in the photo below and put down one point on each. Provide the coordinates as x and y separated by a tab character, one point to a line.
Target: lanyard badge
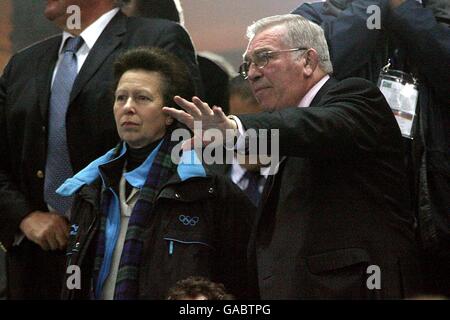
400	90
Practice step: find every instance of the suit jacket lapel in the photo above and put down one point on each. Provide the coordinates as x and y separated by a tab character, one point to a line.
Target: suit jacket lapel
330	82
108	41
45	73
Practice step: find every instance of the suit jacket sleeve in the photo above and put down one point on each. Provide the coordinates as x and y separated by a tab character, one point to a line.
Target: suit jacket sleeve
13	204
351	119
427	42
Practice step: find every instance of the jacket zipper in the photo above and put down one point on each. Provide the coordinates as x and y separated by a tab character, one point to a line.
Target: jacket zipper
171	247
171	244
82	250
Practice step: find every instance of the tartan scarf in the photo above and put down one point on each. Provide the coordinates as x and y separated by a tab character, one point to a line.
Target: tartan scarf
127	284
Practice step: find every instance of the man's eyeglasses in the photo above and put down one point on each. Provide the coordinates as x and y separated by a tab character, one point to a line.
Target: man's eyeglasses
261	59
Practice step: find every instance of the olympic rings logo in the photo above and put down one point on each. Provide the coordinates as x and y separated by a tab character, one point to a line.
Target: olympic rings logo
188	221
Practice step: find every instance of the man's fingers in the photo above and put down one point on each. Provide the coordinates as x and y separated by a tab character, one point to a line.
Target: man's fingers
202	106
52	241
180	115
61	239
219	113
62	232
188	106
44	245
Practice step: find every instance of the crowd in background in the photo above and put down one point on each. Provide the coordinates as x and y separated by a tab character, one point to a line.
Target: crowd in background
86	177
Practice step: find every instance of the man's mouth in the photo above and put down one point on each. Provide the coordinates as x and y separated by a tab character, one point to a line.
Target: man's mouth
256	90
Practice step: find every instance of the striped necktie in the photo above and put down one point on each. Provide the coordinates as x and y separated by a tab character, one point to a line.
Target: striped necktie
58	167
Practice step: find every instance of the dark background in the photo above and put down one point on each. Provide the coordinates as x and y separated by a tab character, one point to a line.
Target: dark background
215	25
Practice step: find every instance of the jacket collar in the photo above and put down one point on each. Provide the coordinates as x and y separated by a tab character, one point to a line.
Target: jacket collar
111	171
44	73
107	43
330	83
189	167
88	175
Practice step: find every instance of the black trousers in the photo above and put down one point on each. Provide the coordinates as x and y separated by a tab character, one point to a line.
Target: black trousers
34	274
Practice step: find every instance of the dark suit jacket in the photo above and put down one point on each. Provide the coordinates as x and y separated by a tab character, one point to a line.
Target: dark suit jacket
338	202
91	131
414	40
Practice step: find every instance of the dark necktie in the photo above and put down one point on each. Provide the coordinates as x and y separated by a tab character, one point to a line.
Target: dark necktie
252	190
58	167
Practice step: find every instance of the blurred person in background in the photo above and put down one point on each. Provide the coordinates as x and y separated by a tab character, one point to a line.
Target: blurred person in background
214	69
198	288
411	45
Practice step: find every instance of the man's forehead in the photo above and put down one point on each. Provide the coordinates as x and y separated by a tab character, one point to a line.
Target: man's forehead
268	39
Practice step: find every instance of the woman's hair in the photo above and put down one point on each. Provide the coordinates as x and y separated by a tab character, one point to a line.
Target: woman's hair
174	73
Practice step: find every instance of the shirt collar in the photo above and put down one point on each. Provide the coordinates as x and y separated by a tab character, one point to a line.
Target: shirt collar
91	34
238	171
309	96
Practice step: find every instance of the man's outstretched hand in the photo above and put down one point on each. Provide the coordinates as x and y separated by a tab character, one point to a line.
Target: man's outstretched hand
197	110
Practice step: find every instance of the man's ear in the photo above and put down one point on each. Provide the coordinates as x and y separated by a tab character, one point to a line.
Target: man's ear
310	61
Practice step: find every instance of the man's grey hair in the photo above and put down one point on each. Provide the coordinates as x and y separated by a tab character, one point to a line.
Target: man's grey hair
300	33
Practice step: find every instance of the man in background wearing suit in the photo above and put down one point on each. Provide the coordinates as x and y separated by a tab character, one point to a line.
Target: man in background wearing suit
334	221
55	117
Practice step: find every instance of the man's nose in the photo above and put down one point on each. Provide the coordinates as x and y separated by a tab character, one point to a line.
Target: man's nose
254	73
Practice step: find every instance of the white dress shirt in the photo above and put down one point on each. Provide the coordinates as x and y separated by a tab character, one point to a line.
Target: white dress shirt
237	173
90	36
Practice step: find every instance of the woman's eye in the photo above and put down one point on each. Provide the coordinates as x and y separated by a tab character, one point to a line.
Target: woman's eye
144	98
121	97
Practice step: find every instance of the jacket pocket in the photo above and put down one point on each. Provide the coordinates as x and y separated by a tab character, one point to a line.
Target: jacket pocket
335	260
339	274
172	257
183	244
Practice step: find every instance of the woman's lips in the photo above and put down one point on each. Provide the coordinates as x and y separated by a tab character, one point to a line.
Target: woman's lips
129	124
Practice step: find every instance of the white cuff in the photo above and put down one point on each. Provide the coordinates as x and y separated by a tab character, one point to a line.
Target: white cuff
240	145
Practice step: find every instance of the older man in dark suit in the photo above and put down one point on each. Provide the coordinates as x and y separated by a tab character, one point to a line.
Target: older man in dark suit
334	221
55	117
